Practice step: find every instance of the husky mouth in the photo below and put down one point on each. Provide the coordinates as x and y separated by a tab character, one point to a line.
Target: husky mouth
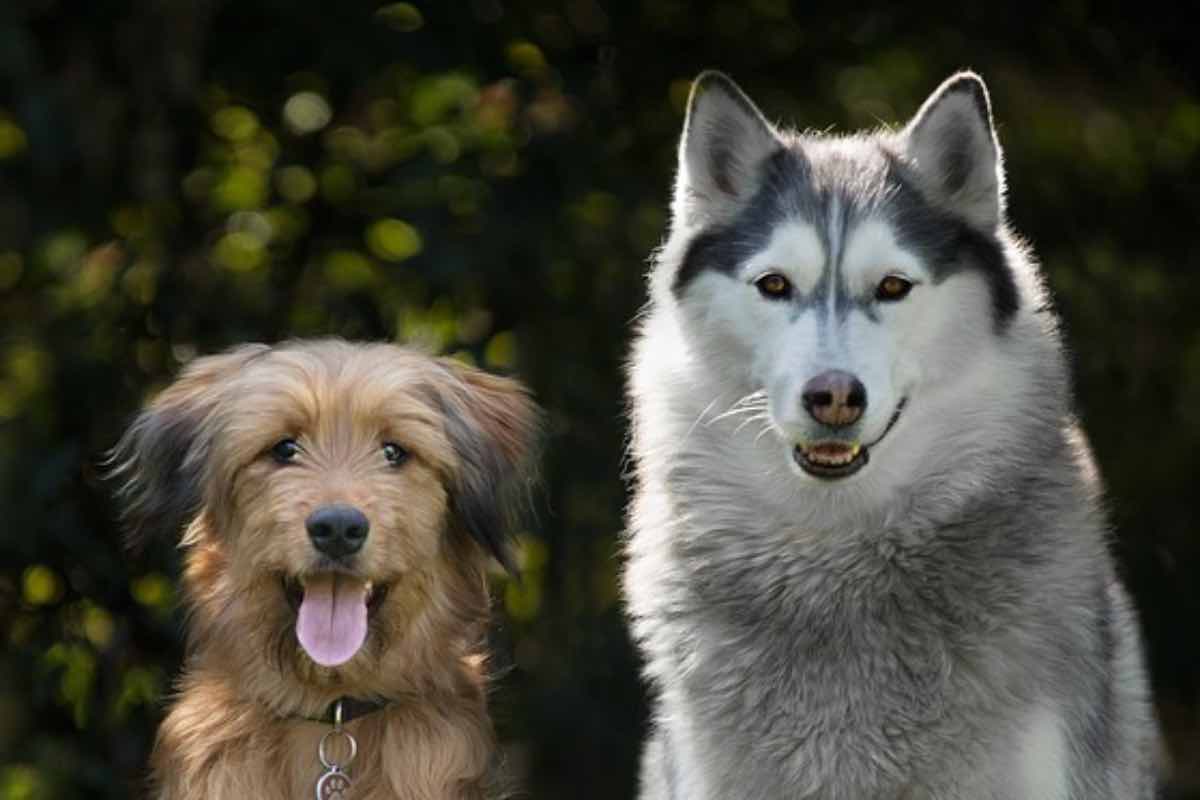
831	459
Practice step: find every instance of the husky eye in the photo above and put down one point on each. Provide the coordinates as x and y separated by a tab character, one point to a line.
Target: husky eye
285	451
893	288
774	286
394	453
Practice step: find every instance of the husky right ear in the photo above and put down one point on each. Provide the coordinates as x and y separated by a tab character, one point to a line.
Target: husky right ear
159	463
952	144
725	140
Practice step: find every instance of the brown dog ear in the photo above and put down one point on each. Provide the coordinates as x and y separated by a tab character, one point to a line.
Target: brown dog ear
493	426
159	463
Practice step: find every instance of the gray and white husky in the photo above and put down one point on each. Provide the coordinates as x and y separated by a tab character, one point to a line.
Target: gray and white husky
867	555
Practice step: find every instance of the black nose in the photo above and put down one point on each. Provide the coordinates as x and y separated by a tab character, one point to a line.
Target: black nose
835	398
338	530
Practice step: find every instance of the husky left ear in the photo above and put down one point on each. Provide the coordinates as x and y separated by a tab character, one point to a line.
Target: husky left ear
725	140
952	145
493	427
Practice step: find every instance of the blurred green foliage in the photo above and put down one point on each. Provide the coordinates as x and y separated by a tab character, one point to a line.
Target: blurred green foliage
489	178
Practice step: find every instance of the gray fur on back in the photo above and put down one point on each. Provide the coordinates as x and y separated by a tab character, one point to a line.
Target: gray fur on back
967	637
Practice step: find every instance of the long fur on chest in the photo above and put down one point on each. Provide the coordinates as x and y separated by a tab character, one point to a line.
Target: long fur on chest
213	745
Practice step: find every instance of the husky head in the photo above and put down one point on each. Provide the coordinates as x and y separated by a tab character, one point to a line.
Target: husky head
852	284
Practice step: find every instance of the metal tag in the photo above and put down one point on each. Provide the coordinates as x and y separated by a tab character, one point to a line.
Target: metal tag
333	785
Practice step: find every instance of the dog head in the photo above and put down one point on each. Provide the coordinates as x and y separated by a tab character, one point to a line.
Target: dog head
846	285
338	496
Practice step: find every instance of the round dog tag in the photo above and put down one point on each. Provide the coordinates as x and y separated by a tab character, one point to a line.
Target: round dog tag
333	786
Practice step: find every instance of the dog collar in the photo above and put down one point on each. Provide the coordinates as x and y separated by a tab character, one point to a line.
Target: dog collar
351	707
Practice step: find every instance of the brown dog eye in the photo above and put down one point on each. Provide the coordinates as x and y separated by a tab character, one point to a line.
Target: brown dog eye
285	451
774	286
394	453
892	288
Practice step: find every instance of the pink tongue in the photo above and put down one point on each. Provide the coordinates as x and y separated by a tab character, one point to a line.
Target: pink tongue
332	624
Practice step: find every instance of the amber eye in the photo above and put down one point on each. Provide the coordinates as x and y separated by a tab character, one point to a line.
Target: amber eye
892	288
285	451
774	286
394	453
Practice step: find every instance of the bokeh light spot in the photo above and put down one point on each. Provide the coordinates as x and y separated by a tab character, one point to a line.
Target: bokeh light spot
21	782
296	184
393	240
11	267
338	184
98	626
402	17
41	585
152	590
239	251
12	139
235	123
526	58
349	270
306	112
501	350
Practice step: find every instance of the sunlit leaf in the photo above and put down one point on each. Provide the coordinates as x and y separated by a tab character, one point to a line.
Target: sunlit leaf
523	600
526	57
349	270
239	251
338	184
235	123
153	590
240	188
306	112
42	585
22	782
296	184
11	267
393	240
402	17
501	350
140	686
434	99
75	665
12	139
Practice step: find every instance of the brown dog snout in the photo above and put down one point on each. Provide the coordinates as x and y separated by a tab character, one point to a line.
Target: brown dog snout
338	530
835	398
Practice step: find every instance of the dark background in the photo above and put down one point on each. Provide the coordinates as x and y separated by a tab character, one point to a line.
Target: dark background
490	177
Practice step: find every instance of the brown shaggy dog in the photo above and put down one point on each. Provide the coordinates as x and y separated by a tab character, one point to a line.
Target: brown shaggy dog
338	504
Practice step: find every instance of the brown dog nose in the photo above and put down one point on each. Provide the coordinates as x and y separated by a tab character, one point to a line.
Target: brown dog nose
338	530
835	398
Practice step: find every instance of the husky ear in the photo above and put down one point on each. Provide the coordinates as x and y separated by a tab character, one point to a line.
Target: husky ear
725	139
159	463
492	424
952	144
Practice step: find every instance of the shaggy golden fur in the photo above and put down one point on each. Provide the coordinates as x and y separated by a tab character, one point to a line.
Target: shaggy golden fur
200	460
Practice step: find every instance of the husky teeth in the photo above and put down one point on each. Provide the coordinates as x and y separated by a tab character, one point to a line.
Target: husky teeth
833	454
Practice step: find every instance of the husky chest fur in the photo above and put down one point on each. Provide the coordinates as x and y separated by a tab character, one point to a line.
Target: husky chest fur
867	556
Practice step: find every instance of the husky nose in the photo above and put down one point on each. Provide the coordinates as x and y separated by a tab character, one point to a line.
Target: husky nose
337	530
835	398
